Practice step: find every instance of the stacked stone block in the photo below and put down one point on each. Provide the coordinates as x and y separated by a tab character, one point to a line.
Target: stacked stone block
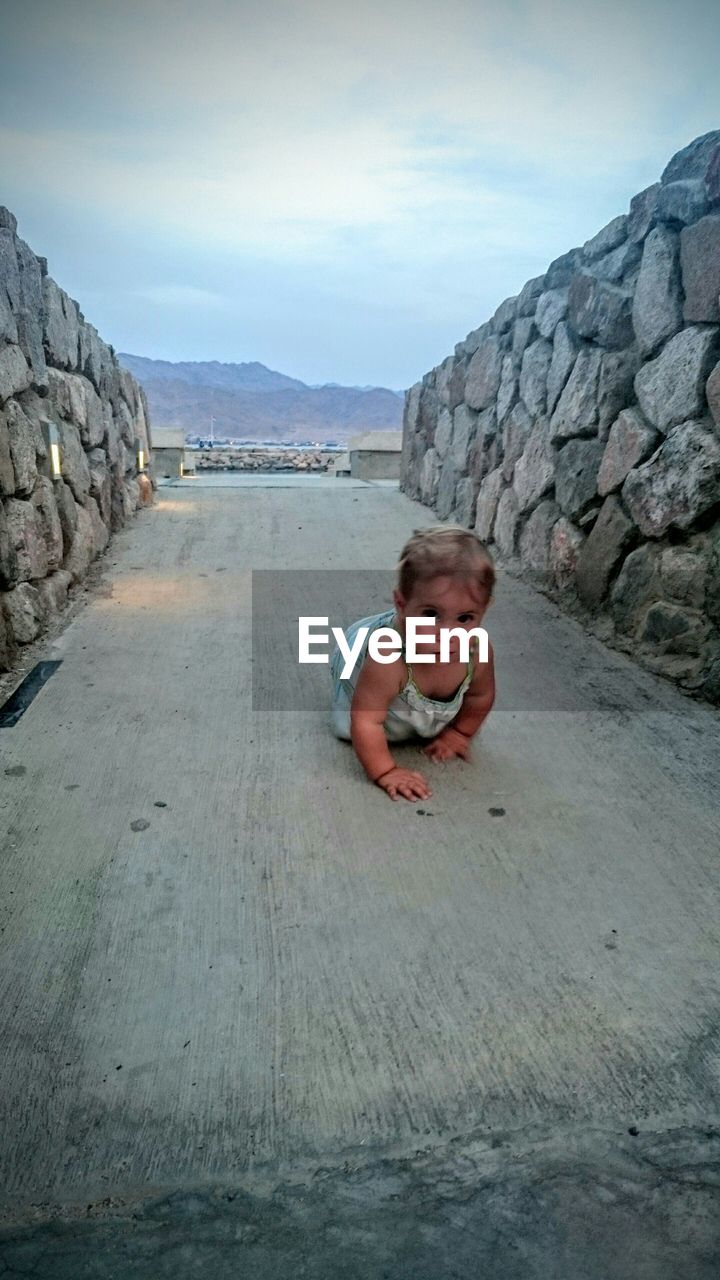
54	368
578	430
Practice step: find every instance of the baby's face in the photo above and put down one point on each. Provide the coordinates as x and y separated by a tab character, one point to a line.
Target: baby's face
450	602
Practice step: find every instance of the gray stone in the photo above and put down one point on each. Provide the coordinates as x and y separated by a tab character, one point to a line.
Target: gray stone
7	472
507	519
577	410
96	416
551	309
411	412
29	314
589	516
712	391
10	276
535	540
75	469
443	433
61	326
565	545
443	373
692	161
26	534
15	373
8	326
712	584
484	452
600	311
8	221
22	439
712	178
504	317
643	209
94	358
61	399
683	571
533	376
25	612
565	352
671	388
130	427
658	303
465	495
615	386
609	238
637	584
516	433
602	551
700	261
411	456
578	463
534	469
562	269
487	504
483	376
527	298
669	628
618	264
684	201
465	423
67	513
8	554
630	442
48	519
508	389
7	644
456	385
678	483
523	334
427	420
474	340
89	539
53	591
445	501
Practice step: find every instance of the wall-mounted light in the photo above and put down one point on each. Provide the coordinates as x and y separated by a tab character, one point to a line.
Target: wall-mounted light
140	455
51	435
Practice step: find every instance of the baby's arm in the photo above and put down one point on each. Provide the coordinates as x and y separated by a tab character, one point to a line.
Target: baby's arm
475	707
377	685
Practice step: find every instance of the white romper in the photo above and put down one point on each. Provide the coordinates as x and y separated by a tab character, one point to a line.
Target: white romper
410	713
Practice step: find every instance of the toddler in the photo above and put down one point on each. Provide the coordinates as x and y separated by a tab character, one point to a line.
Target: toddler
445	577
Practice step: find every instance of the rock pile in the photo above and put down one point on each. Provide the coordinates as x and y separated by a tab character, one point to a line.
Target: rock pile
578	430
260	458
55	369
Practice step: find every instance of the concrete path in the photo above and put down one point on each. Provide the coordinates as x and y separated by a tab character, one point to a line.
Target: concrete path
259	1020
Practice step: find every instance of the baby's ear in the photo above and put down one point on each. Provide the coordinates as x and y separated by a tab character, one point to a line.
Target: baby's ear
398	599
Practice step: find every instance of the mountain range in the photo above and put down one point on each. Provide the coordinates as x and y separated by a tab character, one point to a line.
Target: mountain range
251	402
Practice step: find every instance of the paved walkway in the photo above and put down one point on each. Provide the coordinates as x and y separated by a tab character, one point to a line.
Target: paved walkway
259	1020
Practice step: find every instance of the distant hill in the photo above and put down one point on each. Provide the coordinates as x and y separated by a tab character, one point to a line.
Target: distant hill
249	401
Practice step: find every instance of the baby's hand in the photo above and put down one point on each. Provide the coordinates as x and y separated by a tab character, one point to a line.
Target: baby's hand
448	744
404	782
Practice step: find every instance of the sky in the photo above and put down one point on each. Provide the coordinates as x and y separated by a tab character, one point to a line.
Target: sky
339	190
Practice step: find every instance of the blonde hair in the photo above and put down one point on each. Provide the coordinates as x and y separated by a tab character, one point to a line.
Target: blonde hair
445	551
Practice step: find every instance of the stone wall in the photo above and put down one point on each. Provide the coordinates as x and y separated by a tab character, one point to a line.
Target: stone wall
54	368
578	430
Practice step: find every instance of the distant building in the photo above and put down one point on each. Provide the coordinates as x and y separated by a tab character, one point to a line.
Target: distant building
375	455
169	456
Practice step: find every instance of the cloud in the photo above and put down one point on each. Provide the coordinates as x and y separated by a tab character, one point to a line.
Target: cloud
390	156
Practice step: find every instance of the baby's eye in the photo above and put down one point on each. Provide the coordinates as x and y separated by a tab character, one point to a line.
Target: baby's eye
429	613
466	617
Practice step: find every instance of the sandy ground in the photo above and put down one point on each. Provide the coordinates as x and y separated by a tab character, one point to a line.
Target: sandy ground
257	1019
